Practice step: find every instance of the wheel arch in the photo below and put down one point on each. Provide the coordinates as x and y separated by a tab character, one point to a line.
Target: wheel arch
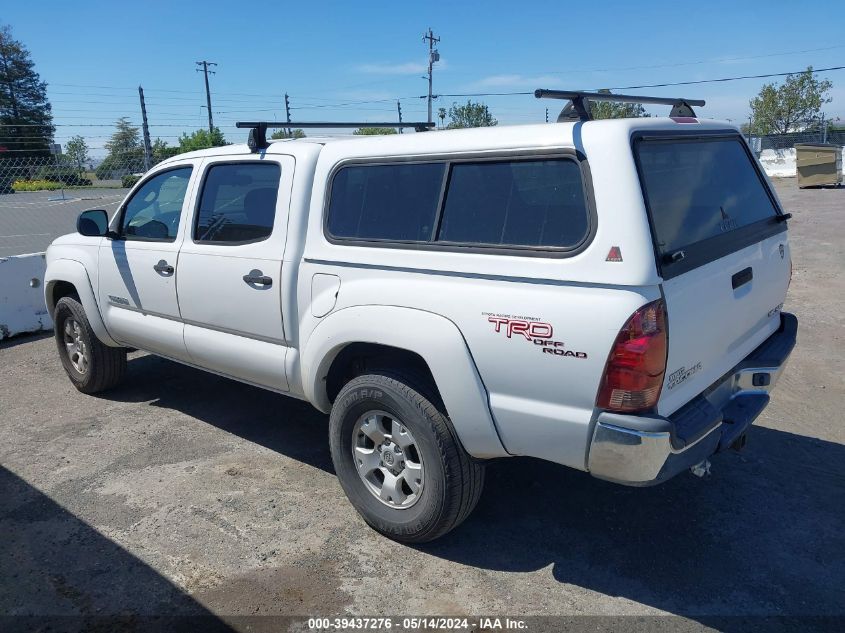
360	358
406	334
66	277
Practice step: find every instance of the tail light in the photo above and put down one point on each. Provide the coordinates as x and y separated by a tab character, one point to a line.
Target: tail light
634	371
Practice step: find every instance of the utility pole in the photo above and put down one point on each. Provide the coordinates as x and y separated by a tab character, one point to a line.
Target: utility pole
204	69
547	115
287	111
148	150
399	108
433	56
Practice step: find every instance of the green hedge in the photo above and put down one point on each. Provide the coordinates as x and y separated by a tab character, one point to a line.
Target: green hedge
36	185
129	181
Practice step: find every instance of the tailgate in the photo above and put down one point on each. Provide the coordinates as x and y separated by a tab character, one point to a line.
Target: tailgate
721	244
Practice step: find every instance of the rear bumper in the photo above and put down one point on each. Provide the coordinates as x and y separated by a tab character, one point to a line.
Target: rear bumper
642	450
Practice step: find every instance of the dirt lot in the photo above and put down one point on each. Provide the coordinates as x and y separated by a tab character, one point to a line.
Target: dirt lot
184	493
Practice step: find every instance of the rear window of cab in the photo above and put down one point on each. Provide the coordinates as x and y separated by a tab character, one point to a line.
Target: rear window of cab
520	204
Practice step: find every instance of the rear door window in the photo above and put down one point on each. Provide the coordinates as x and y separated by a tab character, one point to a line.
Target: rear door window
699	190
238	203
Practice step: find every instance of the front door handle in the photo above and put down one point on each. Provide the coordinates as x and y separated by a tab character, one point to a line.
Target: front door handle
163	268
257	278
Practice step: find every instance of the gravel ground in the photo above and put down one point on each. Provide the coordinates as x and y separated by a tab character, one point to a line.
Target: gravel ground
182	493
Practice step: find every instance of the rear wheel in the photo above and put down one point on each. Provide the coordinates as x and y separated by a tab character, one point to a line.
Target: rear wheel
91	365
399	461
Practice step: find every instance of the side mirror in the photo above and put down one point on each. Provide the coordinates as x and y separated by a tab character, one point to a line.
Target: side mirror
92	223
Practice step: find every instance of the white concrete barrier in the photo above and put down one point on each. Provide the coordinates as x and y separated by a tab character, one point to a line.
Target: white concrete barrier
22	307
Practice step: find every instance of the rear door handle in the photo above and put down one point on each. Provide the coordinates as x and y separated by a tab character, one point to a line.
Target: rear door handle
742	277
257	278
163	268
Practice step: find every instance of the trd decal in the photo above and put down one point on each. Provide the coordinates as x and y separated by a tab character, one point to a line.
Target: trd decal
119	300
532	330
529	329
680	375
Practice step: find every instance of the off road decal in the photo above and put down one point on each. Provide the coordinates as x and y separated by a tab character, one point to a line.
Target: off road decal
680	375
532	330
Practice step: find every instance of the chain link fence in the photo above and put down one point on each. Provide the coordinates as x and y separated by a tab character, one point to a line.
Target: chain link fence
49	173
759	143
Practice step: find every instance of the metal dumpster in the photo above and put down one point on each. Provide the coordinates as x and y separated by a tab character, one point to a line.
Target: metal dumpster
818	164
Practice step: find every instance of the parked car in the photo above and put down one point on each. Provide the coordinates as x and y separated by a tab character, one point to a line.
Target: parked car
605	295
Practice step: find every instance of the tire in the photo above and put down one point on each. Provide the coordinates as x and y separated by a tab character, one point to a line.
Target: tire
451	481
98	367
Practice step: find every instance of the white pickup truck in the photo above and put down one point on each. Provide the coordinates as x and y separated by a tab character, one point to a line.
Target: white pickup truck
601	294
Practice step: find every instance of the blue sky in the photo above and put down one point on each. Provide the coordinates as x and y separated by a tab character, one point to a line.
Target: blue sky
352	60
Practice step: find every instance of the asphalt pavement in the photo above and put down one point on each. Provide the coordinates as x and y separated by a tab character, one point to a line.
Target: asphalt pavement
29	221
182	493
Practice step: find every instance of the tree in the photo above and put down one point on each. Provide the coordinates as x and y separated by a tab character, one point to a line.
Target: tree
441	113
126	138
76	151
126	155
470	115
201	139
791	106
26	118
161	151
374	131
616	110
283	133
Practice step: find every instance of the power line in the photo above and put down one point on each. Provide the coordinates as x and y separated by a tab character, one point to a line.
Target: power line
661	85
193	122
710	81
574	70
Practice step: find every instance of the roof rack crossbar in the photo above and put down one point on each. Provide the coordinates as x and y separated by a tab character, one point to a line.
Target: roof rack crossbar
578	107
258	129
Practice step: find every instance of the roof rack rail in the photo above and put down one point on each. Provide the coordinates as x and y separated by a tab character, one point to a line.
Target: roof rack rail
578	108
258	129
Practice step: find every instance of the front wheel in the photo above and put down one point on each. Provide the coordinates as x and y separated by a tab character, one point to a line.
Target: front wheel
399	461
91	365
